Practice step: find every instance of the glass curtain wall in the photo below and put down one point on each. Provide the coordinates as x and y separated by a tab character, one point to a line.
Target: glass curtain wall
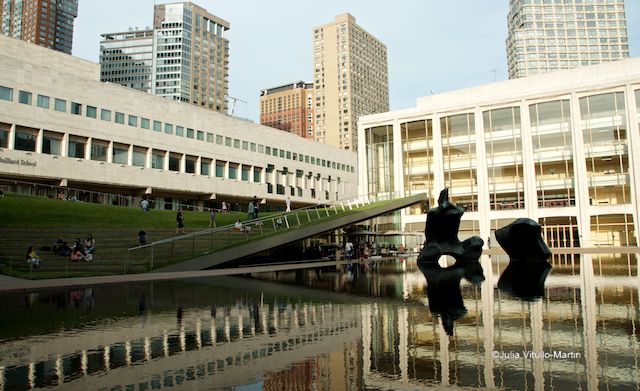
638	107
417	154
604	128
612	230
460	159
503	142
553	153
380	159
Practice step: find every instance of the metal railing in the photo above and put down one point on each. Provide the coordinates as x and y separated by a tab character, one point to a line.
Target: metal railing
90	196
167	251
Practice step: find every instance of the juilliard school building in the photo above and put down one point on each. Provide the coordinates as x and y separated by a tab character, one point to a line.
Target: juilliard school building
60	126
561	148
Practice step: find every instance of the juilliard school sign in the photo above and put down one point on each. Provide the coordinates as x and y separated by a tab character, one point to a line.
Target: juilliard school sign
19	162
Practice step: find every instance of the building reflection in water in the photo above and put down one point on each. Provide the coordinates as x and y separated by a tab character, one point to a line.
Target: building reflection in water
582	334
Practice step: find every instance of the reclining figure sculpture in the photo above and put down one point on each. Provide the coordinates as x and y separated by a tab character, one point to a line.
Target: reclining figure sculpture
524	276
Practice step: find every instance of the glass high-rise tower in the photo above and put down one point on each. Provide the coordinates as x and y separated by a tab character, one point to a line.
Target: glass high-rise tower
547	35
191	56
126	58
184	57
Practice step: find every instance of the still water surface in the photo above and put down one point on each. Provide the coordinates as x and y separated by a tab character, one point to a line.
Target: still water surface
373	327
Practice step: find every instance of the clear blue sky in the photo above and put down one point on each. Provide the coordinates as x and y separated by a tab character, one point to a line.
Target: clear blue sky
432	44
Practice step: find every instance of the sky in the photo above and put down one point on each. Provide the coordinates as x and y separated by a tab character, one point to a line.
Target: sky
432	45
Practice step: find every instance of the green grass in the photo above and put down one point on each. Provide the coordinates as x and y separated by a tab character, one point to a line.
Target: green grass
20	211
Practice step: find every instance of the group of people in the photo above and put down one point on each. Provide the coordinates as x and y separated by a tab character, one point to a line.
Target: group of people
80	252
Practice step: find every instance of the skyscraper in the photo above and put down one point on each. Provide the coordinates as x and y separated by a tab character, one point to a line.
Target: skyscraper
289	107
351	79
191	56
126	58
545	37
47	23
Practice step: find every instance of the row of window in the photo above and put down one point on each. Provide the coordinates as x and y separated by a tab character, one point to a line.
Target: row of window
25	140
42	101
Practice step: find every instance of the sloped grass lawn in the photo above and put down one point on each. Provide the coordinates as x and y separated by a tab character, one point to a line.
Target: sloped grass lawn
22	211
22	214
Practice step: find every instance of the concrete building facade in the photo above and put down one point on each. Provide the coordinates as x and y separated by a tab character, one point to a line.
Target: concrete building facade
350	78
557	148
126	58
67	128
47	23
544	37
290	108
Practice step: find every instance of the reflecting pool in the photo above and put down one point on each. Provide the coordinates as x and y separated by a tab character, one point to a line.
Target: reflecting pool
360	327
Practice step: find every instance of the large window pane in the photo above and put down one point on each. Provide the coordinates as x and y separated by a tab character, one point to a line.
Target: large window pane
6	93
60	105
233	171
604	127
76	147
552	153
92	112
417	155
219	169
139	157
174	162
51	143
76	108
460	159
503	144
157	159
133	120
24	97
105	115
120	154
190	165
205	167
25	139
379	159
99	150
43	101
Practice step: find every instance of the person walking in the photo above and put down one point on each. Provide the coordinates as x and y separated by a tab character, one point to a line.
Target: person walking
180	221
142	238
256	207
288	203
144	204
212	218
251	210
224	207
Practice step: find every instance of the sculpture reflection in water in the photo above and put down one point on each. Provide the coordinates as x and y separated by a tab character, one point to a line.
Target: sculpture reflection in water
528	267
524	276
443	284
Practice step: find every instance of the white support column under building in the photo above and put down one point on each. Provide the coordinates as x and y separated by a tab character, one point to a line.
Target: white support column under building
11	138
482	177
396	144
40	139
438	165
580	174
633	124
528	164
